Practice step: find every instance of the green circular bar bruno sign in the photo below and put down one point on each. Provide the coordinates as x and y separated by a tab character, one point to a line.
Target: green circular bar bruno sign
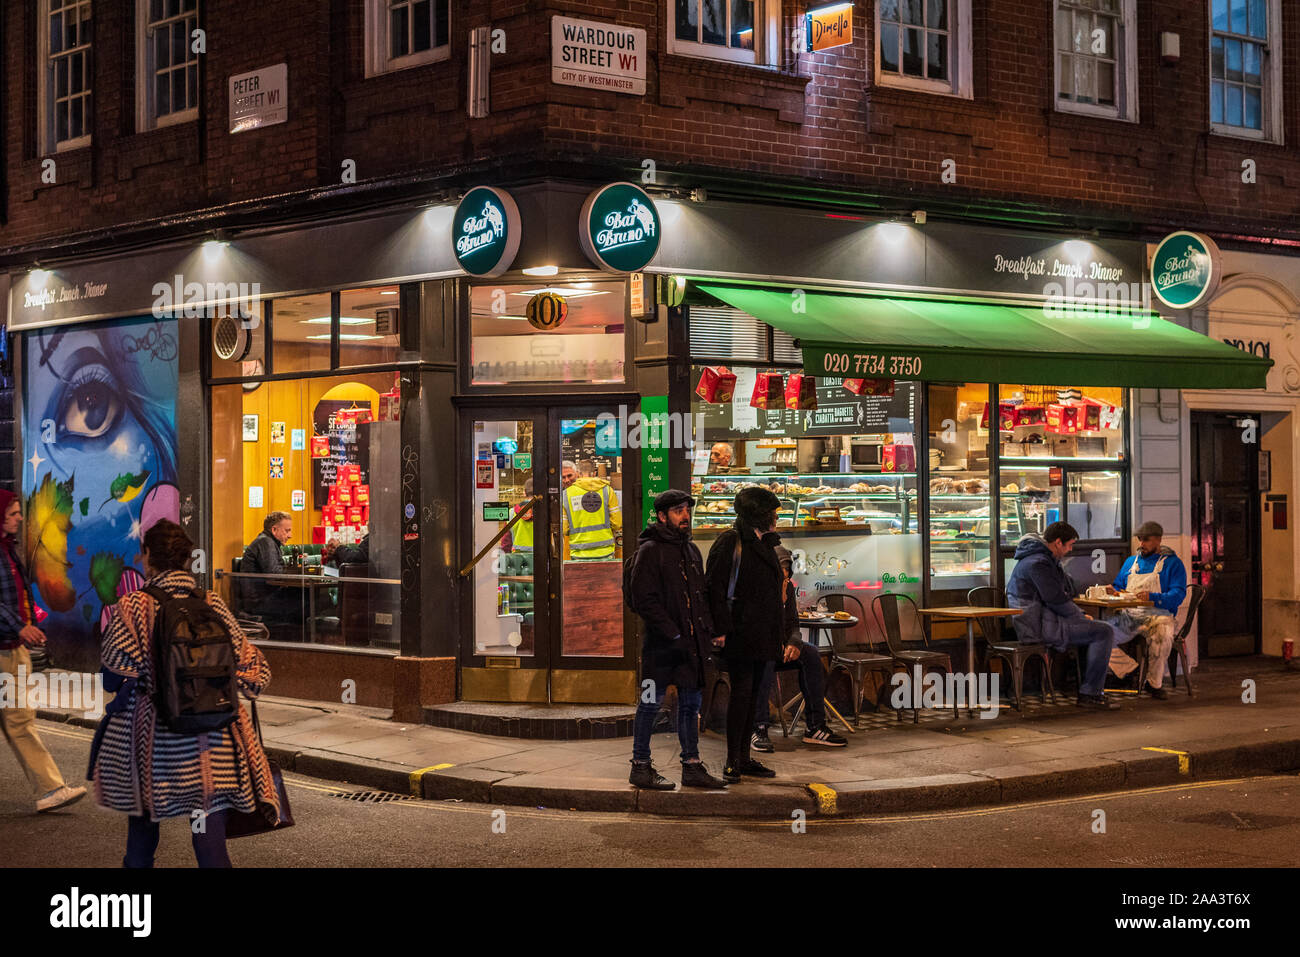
619	228
1185	270
485	231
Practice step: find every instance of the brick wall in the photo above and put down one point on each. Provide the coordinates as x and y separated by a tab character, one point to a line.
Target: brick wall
817	119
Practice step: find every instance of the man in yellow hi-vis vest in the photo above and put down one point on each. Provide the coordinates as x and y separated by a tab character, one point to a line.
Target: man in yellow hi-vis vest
521	536
593	519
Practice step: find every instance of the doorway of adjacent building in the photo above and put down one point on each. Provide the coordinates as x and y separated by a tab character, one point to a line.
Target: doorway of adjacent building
1226	531
547	619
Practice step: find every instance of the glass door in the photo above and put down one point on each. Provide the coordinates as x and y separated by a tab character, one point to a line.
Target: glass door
505	648
594	523
547	622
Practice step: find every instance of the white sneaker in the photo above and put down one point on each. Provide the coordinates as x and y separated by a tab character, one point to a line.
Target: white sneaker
60	797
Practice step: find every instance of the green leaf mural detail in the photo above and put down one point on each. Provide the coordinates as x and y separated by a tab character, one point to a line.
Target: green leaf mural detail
126	487
105	574
84	505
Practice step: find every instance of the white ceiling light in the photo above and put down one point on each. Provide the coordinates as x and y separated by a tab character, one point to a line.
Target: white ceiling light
347	336
542	271
343	320
572	292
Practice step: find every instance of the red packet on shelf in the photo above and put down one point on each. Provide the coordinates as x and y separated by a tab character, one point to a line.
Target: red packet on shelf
344	495
881	387
320	446
318	534
717	384
355	514
769	391
897	458
361	495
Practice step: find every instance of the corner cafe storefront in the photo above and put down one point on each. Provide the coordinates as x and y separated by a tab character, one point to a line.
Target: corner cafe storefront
534	322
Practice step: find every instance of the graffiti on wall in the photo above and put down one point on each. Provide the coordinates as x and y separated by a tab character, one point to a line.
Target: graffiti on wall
99	430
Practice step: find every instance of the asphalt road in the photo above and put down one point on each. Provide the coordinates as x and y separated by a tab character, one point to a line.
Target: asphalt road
1251	822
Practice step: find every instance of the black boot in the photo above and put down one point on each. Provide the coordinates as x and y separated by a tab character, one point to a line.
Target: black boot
696	775
645	776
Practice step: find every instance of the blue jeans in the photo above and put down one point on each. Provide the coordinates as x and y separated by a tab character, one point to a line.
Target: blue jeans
1099	638
688	722
209	847
812	682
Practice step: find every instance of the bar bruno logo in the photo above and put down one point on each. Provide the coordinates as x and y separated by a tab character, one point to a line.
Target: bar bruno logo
485	231
1185	270
619	228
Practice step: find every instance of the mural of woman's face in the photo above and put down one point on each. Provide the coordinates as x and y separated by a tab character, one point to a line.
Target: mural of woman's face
87	427
99	435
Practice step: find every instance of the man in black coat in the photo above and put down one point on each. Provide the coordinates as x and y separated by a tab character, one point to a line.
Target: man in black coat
665	586
747	596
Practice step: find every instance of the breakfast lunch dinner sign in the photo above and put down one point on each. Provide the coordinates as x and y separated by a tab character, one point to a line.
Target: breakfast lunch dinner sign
599	56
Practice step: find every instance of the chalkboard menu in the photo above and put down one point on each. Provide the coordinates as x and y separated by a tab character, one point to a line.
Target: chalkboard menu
838	412
343	446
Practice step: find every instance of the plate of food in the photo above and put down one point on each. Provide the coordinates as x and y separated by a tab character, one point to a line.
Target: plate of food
811	616
842	616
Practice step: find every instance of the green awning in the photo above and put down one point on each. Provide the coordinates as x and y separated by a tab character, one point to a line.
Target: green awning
877	337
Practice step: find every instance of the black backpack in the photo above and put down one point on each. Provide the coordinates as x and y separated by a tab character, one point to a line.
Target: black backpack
194	664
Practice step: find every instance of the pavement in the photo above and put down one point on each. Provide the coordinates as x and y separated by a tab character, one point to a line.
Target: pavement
1243	719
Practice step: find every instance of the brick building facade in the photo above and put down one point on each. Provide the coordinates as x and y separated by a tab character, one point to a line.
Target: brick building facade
1118	121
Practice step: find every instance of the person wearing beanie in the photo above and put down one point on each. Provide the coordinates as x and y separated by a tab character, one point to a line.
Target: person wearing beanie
19	632
665	586
747	596
1155	574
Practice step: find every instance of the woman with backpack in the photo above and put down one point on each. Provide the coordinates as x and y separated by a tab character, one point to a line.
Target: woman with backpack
144	769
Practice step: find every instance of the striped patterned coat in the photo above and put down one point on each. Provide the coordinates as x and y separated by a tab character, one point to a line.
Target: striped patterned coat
141	767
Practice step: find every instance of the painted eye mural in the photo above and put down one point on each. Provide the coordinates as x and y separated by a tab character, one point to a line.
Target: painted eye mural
99	424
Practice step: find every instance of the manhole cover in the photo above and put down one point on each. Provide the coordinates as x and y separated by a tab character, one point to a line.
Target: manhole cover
373	797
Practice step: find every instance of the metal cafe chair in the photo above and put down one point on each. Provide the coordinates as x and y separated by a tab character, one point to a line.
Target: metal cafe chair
885	610
1178	652
1015	653
854	652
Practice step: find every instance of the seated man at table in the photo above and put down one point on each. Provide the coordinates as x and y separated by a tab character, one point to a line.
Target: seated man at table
1040	587
279	608
804	656
1157	575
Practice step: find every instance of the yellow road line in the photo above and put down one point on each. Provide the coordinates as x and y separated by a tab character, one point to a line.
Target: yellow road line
1184	759
417	776
825	798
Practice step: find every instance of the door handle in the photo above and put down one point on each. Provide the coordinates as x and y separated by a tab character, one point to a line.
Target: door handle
1218	566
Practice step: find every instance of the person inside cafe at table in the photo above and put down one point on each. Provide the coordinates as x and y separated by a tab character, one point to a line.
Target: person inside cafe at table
1156	575
279	608
721	456
1041	588
803	656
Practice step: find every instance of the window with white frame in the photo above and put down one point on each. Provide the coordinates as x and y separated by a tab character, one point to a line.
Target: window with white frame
924	45
1245	68
1096	57
65	77
406	33
167	65
744	31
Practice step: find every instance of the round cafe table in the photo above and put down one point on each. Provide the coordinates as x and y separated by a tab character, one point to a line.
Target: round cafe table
970	613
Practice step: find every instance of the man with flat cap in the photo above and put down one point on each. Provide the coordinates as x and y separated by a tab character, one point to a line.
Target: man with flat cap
1157	575
665	586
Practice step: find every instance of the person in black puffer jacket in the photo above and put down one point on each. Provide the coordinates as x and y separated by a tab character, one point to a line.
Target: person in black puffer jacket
752	619
665	586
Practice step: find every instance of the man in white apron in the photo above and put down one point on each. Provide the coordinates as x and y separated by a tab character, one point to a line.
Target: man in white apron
1157	575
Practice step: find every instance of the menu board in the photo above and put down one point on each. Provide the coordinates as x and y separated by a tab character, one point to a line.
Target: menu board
838	412
343	446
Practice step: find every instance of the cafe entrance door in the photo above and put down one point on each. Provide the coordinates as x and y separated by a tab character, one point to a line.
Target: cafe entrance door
1226	532
544	618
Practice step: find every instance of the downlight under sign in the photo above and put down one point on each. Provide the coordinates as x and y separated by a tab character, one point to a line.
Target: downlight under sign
485	231
619	228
